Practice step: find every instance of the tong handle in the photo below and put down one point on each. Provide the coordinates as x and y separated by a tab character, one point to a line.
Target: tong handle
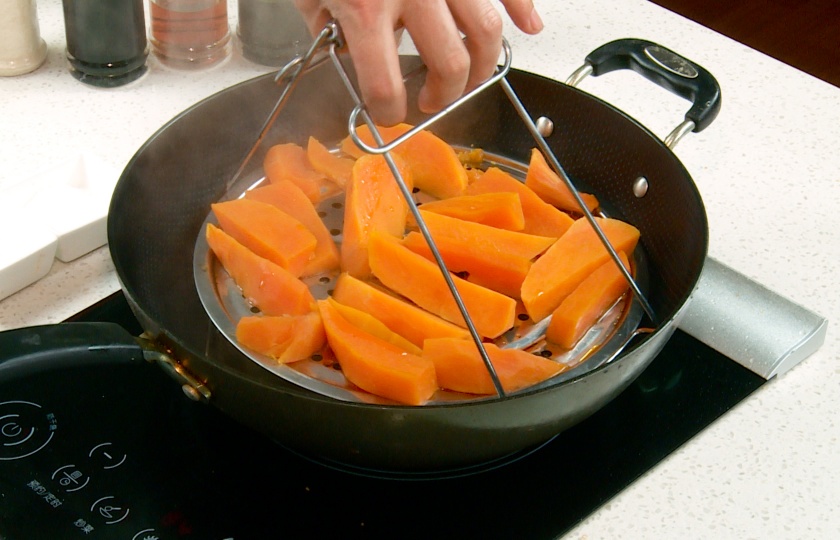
665	68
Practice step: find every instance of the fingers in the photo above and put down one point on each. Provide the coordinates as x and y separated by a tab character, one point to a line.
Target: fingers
455	64
438	41
315	16
374	54
482	28
524	15
368	28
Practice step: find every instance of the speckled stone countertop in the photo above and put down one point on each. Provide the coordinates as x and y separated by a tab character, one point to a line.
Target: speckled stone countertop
768	171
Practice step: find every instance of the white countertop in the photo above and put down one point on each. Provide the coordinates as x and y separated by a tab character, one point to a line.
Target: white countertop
769	174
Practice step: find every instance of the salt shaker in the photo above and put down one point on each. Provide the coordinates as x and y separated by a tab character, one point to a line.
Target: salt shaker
189	34
106	40
21	48
271	32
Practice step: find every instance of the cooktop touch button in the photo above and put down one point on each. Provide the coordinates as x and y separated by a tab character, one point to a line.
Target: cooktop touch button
25	428
106	456
70	478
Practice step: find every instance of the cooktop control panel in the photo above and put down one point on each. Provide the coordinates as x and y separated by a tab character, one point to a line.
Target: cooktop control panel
80	456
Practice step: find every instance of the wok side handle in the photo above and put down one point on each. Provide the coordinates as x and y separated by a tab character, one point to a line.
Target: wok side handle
156	353
665	68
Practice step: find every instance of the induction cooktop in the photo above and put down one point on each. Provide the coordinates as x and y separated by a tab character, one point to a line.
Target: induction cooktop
102	449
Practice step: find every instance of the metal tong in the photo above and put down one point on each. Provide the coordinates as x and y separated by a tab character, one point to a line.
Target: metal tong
326	46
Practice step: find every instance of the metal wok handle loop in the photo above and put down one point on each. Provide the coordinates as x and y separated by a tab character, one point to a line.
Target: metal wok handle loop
192	386
666	69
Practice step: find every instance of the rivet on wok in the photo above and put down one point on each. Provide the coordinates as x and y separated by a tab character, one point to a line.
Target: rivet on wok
191	392
640	187
545	126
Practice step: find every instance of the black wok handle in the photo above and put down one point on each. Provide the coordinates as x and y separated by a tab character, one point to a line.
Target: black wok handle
663	67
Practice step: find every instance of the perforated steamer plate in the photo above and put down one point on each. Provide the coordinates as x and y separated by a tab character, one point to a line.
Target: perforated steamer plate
225	305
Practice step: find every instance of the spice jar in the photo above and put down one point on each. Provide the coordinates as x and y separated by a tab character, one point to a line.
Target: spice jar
21	48
271	32
189	34
106	40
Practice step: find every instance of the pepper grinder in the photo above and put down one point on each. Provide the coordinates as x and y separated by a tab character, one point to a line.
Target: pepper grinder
21	48
106	41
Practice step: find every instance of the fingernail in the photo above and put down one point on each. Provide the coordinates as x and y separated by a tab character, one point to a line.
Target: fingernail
536	21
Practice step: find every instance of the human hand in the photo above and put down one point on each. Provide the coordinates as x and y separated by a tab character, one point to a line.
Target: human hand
455	64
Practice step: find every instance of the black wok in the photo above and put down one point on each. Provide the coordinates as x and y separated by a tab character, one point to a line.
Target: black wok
164	194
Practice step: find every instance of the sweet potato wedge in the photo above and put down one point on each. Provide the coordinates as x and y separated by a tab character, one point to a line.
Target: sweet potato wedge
500	210
336	168
477	263
388	133
373	202
587	303
434	164
513	243
375	365
284	338
288	161
288	197
373	326
542	179
541	218
567	263
267	231
421	281
460	367
272	288
406	319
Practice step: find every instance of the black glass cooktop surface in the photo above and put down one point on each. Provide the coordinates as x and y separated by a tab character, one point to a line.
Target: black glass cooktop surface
88	452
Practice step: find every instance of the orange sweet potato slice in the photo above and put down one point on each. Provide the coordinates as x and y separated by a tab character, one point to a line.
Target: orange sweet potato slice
406	319
375	365
542	179
284	338
514	243
473	174
288	161
587	303
460	367
289	198
267	231
541	218
566	263
266	285
434	164
373	202
421	281
336	168
494	269
500	210
372	325
388	133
